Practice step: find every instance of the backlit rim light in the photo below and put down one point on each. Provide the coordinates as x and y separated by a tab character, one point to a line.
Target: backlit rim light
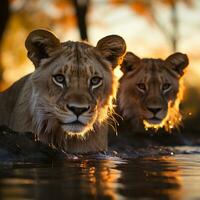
174	117
104	114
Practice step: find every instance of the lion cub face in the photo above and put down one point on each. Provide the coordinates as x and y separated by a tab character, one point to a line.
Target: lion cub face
149	88
73	84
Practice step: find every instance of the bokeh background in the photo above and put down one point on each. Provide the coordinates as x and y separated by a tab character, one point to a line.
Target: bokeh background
151	28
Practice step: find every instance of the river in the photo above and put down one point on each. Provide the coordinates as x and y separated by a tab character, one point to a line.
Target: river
174	176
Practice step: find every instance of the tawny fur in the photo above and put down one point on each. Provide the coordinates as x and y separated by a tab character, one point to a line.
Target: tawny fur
36	104
150	84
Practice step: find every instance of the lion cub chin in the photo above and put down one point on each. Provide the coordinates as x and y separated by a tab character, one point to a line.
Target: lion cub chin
151	90
66	100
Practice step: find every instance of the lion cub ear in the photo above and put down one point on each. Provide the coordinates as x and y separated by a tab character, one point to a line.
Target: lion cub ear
40	44
113	48
178	62
130	62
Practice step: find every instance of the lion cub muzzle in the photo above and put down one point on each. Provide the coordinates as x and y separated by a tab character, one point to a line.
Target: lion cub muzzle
80	114
78	109
156	110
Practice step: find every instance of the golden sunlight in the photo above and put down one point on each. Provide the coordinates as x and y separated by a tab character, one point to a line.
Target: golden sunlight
118	73
174	117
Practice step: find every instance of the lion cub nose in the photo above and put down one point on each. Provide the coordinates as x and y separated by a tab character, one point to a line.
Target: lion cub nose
154	110
78	110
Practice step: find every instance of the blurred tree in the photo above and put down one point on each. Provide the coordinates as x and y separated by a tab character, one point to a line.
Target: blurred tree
148	9
54	13
4	16
58	16
81	8
172	36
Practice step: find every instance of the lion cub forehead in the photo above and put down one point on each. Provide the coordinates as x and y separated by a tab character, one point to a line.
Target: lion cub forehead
156	70
77	57
77	51
153	66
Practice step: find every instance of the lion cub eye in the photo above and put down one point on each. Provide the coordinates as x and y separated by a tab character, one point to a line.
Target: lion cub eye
95	81
59	80
141	86
166	86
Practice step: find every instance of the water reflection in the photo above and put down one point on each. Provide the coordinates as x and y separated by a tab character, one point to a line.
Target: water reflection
156	178
145	178
103	178
74	180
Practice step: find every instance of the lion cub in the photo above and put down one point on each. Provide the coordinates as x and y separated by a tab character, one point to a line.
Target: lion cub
66	100
151	90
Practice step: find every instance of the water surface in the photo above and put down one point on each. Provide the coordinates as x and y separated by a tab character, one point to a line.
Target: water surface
107	178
